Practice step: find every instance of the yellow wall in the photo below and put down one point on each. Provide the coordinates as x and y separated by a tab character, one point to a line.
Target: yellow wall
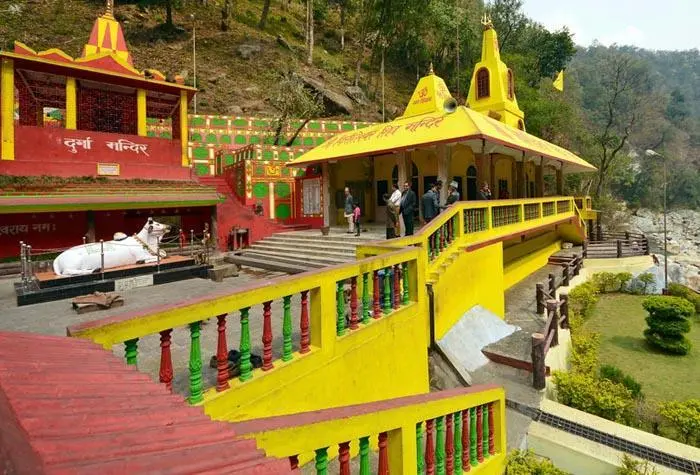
347	171
518	269
474	278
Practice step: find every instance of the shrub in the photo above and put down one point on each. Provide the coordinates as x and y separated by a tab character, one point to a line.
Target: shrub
583	298
584	353
631	466
684	417
616	375
625	278
648	281
525	462
682	291
606	282
668	321
600	397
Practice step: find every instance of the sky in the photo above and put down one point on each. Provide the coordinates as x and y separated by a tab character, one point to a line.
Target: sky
650	24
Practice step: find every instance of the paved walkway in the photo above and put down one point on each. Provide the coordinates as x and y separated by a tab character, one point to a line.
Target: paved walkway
52	318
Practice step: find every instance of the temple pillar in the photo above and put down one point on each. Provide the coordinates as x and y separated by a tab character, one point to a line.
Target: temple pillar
90	232
184	136
71	104
402	169
326	194
141	112
520	173
7	109
492	175
539	179
560	180
443	168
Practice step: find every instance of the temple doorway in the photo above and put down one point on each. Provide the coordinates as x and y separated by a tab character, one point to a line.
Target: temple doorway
472	184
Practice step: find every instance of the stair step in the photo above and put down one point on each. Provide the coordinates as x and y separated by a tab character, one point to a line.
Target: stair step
308	262
313	241
296	250
310	247
265	263
301	257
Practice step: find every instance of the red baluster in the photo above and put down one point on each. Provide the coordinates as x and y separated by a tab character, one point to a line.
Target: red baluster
267	336
397	286
492	449
466	465
383	455
449	446
377	310
344	458
294	461
353	304
479	435
429	449
166	361
221	355
305	337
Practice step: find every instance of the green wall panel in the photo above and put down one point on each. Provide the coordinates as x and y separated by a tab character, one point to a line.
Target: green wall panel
283	211
260	190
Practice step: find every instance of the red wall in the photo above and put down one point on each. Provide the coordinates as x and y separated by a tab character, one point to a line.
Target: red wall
42	151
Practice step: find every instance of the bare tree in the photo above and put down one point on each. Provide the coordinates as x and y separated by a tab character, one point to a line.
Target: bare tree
293	101
226	15
263	16
310	31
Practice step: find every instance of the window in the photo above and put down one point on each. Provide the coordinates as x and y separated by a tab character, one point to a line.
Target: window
511	85
521	126
483	88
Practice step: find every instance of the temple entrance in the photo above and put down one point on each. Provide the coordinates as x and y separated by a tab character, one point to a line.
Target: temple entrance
472	185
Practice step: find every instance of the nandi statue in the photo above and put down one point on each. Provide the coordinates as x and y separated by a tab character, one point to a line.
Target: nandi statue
123	251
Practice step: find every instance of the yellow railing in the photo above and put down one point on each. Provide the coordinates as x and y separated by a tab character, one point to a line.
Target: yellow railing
585	207
449	431
336	310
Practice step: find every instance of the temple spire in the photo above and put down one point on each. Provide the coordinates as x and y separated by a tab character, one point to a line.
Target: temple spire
430	69
109	11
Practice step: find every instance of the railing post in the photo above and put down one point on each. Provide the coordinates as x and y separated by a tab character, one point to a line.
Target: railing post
429	449
195	364
449	445
585	248
566	275
540	298
552	285
564	310
222	374
102	258
131	351
404	278
344	458
383	455
353	303
166	363
377	307
619	248
466	462
419	448
245	366
287	328
304	322
366	303
267	336
440	446
397	286
538	366
479	434
458	443
492	448
554	326
364	455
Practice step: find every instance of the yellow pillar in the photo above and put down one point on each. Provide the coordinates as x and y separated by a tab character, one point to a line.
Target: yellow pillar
560	181
7	110
184	136
522	186
141	112
539	179
71	105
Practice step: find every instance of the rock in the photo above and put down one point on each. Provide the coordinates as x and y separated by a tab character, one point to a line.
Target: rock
334	103
234	110
217	77
248	50
252	106
281	40
14	9
356	94
252	89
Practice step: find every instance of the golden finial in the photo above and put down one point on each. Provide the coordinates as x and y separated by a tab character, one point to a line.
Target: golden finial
486	21
430	69
110	8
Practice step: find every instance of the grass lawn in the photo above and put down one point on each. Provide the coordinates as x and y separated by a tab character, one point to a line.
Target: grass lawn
619	318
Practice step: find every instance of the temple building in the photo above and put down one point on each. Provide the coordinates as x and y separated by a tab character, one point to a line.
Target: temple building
435	139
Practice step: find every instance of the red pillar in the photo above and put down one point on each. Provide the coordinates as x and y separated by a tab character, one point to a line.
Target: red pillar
429	449
353	303
344	458
305	337
267	336
166	362
221	355
383	454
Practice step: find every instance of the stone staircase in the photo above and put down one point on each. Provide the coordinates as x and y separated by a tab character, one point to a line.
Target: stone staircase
69	406
299	251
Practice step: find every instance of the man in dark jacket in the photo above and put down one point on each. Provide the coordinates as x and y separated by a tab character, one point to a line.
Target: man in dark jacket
408	207
453	195
430	202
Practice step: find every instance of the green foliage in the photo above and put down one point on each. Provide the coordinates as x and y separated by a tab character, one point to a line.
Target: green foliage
583	298
647	278
616	375
682	291
668	322
685	419
584	353
631	466
600	397
612	282
525	462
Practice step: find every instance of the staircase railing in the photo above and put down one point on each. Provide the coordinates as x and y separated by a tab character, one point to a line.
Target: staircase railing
451	431
355	295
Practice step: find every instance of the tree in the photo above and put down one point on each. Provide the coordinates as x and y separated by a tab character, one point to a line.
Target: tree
508	20
263	15
293	101
668	322
309	32
226	15
169	12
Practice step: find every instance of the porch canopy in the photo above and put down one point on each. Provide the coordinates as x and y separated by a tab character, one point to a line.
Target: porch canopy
481	133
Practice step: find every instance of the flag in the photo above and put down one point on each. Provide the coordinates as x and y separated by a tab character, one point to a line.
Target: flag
559	81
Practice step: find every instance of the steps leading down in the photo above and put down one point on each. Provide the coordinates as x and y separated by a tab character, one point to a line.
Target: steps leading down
299	251
69	406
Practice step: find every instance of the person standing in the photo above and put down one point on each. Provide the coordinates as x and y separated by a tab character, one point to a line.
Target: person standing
485	192
430	203
396	200
408	207
453	194
356	213
348	210
392	217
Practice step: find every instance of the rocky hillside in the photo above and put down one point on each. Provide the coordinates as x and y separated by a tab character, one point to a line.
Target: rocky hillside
236	69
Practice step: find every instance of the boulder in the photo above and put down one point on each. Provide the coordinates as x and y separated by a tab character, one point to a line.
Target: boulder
334	103
248	50
357	94
234	110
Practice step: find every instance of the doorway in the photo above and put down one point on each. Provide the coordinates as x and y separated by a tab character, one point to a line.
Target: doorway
471	183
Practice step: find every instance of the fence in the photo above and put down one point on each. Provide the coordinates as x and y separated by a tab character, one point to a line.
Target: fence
557	315
571	266
616	245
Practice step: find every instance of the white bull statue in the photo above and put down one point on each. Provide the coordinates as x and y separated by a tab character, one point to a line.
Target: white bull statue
123	251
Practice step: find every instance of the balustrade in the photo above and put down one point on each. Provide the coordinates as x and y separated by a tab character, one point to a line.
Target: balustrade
505	215
532	211
474	220
563	206
547	208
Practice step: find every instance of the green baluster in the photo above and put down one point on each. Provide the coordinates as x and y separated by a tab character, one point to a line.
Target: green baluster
404	276
287	328
364	455
485	430
131	351
440	447
322	461
387	291
340	313
458	442
245	366
366	303
472	433
419	448
196	395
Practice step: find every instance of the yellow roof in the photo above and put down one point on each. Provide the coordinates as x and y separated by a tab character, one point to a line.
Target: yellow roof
482	133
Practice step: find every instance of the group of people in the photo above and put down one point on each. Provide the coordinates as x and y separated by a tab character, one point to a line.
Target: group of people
401	205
